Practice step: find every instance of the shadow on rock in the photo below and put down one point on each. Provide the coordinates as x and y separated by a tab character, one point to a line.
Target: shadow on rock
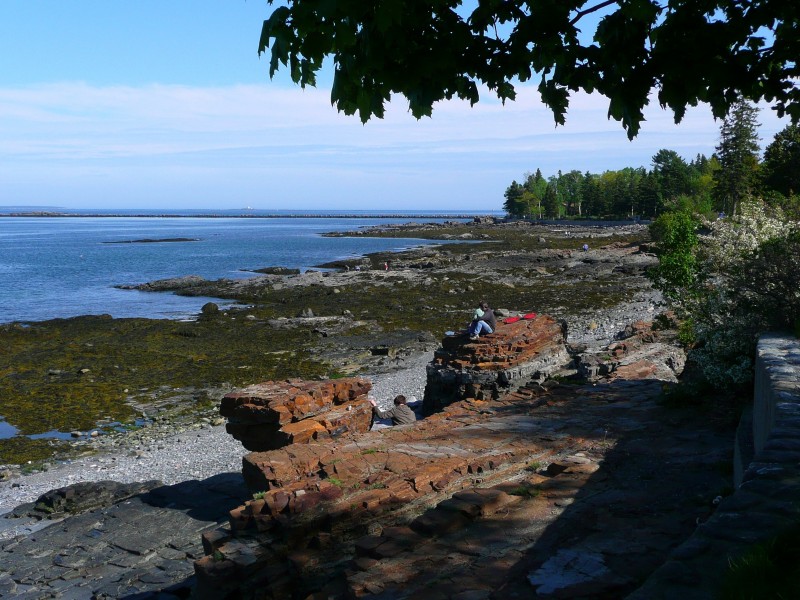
206	500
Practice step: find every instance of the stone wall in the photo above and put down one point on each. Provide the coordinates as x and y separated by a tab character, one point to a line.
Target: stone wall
765	502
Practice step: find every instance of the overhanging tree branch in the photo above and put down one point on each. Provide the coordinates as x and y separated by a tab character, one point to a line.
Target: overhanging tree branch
428	53
589	11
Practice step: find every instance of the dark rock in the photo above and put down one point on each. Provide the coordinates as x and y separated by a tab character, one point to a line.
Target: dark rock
81	497
210	309
278	271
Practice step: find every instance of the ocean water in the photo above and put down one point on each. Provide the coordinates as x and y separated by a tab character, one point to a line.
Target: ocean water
59	267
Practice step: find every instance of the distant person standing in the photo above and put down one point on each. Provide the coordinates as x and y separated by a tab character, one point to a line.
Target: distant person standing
586	247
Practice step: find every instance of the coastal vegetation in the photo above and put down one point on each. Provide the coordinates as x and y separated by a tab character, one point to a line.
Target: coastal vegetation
726	233
731	276
704	185
728	280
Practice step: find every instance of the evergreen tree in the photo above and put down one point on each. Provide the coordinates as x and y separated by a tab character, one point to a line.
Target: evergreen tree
738	149
673	176
781	166
515	202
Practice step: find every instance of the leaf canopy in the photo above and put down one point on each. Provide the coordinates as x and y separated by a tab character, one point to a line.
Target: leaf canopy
687	51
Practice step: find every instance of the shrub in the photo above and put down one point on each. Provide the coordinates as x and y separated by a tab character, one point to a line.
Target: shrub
728	285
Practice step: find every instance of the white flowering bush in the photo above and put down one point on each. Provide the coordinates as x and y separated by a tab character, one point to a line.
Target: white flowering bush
731	240
747	280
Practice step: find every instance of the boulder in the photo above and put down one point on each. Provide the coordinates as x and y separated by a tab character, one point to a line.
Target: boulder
273	414
514	353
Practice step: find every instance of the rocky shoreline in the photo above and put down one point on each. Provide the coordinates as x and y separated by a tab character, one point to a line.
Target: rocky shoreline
590	467
535	268
171	451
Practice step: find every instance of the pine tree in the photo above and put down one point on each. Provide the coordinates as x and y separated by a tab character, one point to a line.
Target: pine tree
738	151
515	203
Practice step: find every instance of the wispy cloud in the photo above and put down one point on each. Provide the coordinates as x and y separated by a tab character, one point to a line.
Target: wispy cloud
79	145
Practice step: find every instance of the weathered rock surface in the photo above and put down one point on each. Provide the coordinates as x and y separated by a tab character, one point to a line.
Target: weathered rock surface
476	501
552	490
461	501
494	363
642	353
273	414
143	547
80	497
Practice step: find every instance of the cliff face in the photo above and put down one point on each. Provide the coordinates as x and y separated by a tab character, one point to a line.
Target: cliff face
330	514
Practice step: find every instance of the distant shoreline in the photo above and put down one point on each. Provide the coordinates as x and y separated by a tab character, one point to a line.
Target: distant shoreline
247	216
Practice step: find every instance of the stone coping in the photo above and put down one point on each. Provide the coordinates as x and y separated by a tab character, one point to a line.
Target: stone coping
766	501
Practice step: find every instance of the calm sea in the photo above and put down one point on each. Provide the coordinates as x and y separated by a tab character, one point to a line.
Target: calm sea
57	267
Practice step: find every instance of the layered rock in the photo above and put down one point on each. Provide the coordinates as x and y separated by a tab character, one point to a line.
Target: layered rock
483	368
327	519
473	501
312	502
273	414
644	353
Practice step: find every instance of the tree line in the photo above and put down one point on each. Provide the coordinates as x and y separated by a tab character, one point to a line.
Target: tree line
705	185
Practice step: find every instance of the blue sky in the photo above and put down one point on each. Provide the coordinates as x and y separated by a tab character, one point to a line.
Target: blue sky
165	104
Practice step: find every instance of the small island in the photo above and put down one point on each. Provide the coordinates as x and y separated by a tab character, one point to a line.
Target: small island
153	241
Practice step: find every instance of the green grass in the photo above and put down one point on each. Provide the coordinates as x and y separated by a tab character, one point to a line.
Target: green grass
768	571
525	492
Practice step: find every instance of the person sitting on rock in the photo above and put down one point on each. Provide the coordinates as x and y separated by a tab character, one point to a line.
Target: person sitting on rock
400	414
483	321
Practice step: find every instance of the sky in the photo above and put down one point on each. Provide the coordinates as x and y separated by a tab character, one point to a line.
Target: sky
166	104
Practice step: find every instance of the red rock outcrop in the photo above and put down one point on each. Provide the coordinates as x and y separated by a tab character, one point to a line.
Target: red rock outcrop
314	501
483	368
324	515
273	414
